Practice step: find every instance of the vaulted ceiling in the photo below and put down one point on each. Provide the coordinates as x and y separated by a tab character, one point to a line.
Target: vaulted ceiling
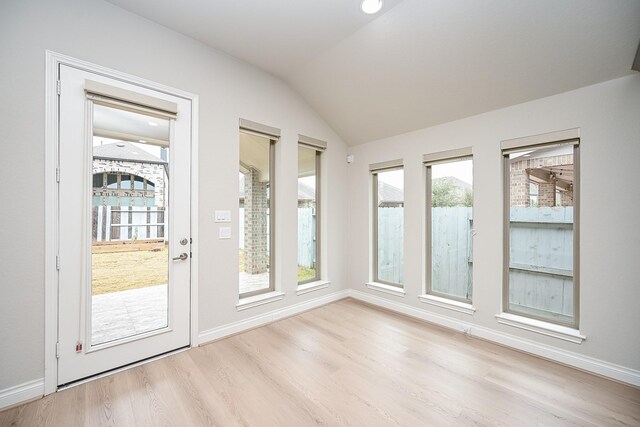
417	63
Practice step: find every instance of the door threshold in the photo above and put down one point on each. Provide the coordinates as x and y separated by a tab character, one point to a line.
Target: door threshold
121	368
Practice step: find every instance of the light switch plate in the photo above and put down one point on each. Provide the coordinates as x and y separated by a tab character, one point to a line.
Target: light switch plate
223	216
225	233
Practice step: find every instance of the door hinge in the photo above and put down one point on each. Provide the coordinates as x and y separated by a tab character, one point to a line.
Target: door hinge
57	262
57	174
58	86
57	350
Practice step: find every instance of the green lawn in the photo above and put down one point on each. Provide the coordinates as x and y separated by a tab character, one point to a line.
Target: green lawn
119	271
306	273
303	272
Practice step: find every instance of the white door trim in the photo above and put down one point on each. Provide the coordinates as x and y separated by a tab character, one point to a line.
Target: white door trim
53	60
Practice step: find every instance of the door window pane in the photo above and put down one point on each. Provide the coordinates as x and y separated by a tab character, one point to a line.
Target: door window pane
450	189
308	160
389	226
129	255
541	186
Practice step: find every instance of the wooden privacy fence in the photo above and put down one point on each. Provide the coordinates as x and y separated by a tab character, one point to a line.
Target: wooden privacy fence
541	255
128	223
306	236
541	260
452	251
390	244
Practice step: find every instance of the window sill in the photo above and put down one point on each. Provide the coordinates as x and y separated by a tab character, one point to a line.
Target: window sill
449	304
257	300
387	289
312	286
540	327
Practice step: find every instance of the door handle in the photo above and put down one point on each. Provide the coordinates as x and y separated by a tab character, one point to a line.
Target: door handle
183	256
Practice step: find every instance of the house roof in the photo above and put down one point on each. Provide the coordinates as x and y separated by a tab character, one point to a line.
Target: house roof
388	193
123	150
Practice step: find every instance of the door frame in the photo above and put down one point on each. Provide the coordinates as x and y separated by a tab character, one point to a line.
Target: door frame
53	61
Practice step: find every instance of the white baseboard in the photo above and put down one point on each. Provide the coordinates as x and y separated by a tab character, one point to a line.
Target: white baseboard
271	316
34	389
21	393
589	364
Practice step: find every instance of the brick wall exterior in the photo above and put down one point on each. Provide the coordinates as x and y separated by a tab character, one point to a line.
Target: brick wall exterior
519	179
151	171
520	182
255	223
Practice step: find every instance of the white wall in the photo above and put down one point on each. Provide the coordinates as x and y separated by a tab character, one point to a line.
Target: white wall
608	115
101	33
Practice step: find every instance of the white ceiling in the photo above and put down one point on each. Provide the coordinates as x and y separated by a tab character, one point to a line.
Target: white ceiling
418	62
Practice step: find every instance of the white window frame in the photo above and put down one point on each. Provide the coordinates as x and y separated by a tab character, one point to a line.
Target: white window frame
319	147
375	169
273	135
429	160
569	136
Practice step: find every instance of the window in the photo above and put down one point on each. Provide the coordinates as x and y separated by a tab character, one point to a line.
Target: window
541	234
388	223
256	212
117	191
112	180
449	196
309	155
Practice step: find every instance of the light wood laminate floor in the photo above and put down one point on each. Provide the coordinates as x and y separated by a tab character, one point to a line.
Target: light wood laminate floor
344	364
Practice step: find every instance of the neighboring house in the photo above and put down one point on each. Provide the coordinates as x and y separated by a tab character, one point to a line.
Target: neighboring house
125	175
390	196
542	178
129	190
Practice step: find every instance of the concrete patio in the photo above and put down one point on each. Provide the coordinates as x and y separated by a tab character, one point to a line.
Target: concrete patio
122	314
118	315
253	282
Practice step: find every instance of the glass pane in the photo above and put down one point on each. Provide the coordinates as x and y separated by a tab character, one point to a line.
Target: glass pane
390	226
97	180
254	252
541	187
307	214
112	181
150	186
138	183
129	255
125	181
451	229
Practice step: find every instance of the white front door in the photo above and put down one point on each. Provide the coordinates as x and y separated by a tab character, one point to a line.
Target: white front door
124	223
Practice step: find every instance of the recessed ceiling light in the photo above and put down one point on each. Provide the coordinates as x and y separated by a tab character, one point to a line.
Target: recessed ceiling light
153	124
371	6
142	140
